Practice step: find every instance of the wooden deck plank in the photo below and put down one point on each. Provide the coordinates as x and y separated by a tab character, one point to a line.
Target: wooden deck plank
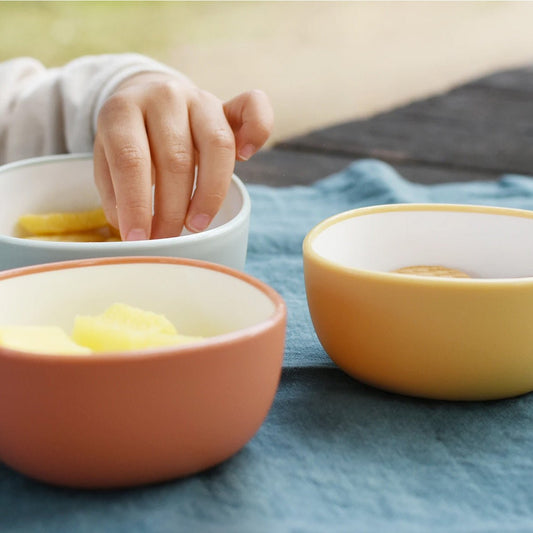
516	80
481	127
286	167
477	131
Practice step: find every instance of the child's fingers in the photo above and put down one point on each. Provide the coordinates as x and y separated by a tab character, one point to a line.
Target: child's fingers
215	144
252	118
173	155
127	152
155	127
102	179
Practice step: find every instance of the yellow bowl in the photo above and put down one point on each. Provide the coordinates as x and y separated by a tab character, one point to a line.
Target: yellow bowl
445	338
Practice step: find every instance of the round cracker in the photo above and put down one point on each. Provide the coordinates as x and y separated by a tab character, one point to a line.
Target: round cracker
438	271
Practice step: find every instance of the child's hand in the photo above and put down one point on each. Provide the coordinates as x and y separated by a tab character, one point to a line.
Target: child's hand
156	128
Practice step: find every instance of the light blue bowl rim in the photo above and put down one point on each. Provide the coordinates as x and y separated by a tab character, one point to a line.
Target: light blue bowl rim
237	221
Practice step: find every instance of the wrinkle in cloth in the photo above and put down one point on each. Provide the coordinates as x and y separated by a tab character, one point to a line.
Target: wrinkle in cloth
333	455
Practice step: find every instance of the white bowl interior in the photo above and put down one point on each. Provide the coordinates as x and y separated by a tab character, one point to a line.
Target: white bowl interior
198	301
484	245
66	183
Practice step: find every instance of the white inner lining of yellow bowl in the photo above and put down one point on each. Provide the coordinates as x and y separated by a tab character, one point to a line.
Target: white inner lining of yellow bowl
484	245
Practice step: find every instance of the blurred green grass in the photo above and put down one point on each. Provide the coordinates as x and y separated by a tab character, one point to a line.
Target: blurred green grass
55	32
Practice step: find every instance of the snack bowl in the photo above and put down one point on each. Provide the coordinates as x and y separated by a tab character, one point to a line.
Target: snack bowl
65	183
125	418
434	337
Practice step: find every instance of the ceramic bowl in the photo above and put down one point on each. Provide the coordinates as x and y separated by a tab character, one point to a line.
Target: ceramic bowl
128	418
65	183
446	338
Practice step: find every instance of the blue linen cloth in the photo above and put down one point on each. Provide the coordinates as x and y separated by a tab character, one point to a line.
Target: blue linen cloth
333	455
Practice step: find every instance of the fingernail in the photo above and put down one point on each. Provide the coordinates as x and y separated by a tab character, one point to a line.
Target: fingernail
199	222
136	234
247	151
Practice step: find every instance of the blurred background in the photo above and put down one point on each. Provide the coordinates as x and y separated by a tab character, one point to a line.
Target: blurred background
320	62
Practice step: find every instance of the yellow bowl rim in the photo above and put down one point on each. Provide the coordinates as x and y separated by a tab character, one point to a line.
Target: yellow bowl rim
309	253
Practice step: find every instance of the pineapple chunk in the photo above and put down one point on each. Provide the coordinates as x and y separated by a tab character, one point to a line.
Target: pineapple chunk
79	236
40	339
122	327
68	222
138	319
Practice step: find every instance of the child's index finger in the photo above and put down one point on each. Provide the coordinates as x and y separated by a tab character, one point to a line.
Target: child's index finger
215	143
127	152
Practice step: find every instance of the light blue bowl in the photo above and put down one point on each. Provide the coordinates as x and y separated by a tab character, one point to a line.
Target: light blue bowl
65	183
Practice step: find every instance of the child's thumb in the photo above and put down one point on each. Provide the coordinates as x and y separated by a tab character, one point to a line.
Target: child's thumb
251	118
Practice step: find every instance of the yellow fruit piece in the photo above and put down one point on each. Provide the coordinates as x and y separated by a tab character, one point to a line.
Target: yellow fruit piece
138	319
85	236
40	339
68	222
122	327
113	233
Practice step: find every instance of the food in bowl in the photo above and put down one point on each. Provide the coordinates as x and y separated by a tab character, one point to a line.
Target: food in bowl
63	222
40	339
65	184
76	226
438	271
125	418
120	327
435	337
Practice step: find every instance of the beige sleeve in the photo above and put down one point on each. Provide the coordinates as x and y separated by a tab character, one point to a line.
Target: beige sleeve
49	111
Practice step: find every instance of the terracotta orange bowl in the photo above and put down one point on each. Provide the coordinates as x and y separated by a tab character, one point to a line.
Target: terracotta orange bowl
127	418
467	338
